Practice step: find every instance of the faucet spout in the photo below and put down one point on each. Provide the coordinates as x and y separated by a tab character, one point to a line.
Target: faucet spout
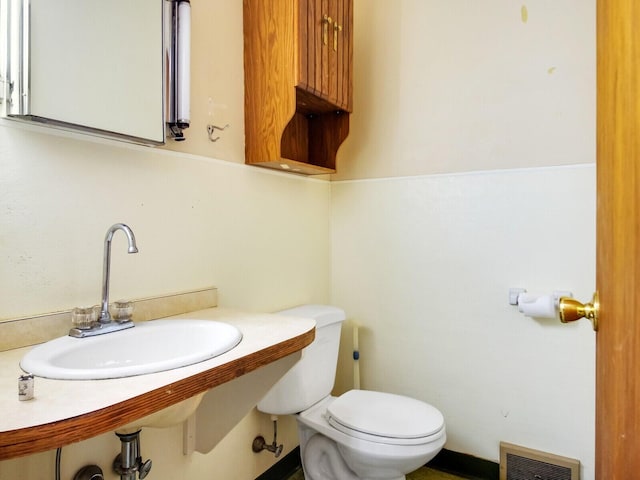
105	316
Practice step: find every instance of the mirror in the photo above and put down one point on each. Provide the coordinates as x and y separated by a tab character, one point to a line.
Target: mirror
91	65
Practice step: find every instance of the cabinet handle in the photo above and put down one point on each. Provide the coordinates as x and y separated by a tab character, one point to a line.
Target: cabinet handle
336	28
326	21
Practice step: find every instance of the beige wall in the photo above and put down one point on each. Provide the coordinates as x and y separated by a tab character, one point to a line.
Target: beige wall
217	81
469	170
463	85
199	221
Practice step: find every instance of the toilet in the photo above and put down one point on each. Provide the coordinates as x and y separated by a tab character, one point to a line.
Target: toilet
360	435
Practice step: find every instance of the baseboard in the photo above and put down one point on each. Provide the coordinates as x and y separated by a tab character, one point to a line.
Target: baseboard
284	468
466	466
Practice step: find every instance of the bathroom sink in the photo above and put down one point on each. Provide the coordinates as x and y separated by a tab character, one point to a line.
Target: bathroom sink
150	347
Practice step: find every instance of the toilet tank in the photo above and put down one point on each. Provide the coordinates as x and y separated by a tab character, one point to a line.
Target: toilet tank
312	378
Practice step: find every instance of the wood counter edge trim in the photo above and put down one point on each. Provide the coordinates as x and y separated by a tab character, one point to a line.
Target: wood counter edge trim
30	440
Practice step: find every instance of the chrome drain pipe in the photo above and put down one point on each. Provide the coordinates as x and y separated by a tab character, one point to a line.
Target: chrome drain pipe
128	463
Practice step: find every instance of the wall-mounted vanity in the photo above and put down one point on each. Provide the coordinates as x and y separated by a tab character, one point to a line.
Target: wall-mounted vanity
67	411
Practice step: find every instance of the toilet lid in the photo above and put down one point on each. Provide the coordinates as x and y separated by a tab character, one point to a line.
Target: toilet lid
378	414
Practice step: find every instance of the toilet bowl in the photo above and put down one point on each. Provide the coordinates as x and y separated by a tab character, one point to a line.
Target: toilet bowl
376	446
360	435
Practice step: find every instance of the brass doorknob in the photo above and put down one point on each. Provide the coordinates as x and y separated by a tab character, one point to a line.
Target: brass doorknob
572	310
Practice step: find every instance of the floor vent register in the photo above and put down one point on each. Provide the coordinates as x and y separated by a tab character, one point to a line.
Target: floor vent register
520	463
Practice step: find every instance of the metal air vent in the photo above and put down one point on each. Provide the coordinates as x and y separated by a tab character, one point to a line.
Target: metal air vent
520	463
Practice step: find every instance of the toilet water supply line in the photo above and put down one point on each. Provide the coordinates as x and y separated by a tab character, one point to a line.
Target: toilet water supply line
259	443
58	459
356	359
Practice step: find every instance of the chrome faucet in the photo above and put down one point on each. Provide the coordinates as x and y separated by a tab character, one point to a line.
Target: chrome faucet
105	316
105	323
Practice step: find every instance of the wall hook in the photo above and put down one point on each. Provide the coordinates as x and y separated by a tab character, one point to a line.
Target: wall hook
212	128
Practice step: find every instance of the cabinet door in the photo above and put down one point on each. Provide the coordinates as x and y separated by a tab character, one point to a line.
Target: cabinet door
325	55
343	39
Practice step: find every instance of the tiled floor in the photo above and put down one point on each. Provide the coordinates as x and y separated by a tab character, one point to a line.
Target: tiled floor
421	474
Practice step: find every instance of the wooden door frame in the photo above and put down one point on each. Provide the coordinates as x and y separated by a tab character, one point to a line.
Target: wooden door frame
618	240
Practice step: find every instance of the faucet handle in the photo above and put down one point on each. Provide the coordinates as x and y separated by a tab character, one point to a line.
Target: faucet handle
85	317
122	311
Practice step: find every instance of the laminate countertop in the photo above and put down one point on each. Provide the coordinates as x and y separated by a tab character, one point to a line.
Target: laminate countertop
68	411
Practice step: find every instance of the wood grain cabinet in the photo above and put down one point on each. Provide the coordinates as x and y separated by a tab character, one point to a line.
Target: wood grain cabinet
298	57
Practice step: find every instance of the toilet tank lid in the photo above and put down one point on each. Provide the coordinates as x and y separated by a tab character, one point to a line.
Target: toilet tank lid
322	314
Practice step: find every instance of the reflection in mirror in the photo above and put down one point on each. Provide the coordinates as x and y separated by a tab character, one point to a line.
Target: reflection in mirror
90	65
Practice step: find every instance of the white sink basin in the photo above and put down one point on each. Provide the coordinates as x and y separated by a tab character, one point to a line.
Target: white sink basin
149	347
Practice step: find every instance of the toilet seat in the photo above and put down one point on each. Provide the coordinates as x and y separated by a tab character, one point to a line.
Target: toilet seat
384	418
375	458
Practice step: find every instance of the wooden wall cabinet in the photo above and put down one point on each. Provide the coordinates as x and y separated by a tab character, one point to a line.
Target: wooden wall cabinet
298	57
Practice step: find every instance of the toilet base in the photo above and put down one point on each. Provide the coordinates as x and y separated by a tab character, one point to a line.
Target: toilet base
322	460
328	454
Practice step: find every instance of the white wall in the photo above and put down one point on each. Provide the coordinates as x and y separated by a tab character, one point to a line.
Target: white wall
469	170
198	222
423	264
